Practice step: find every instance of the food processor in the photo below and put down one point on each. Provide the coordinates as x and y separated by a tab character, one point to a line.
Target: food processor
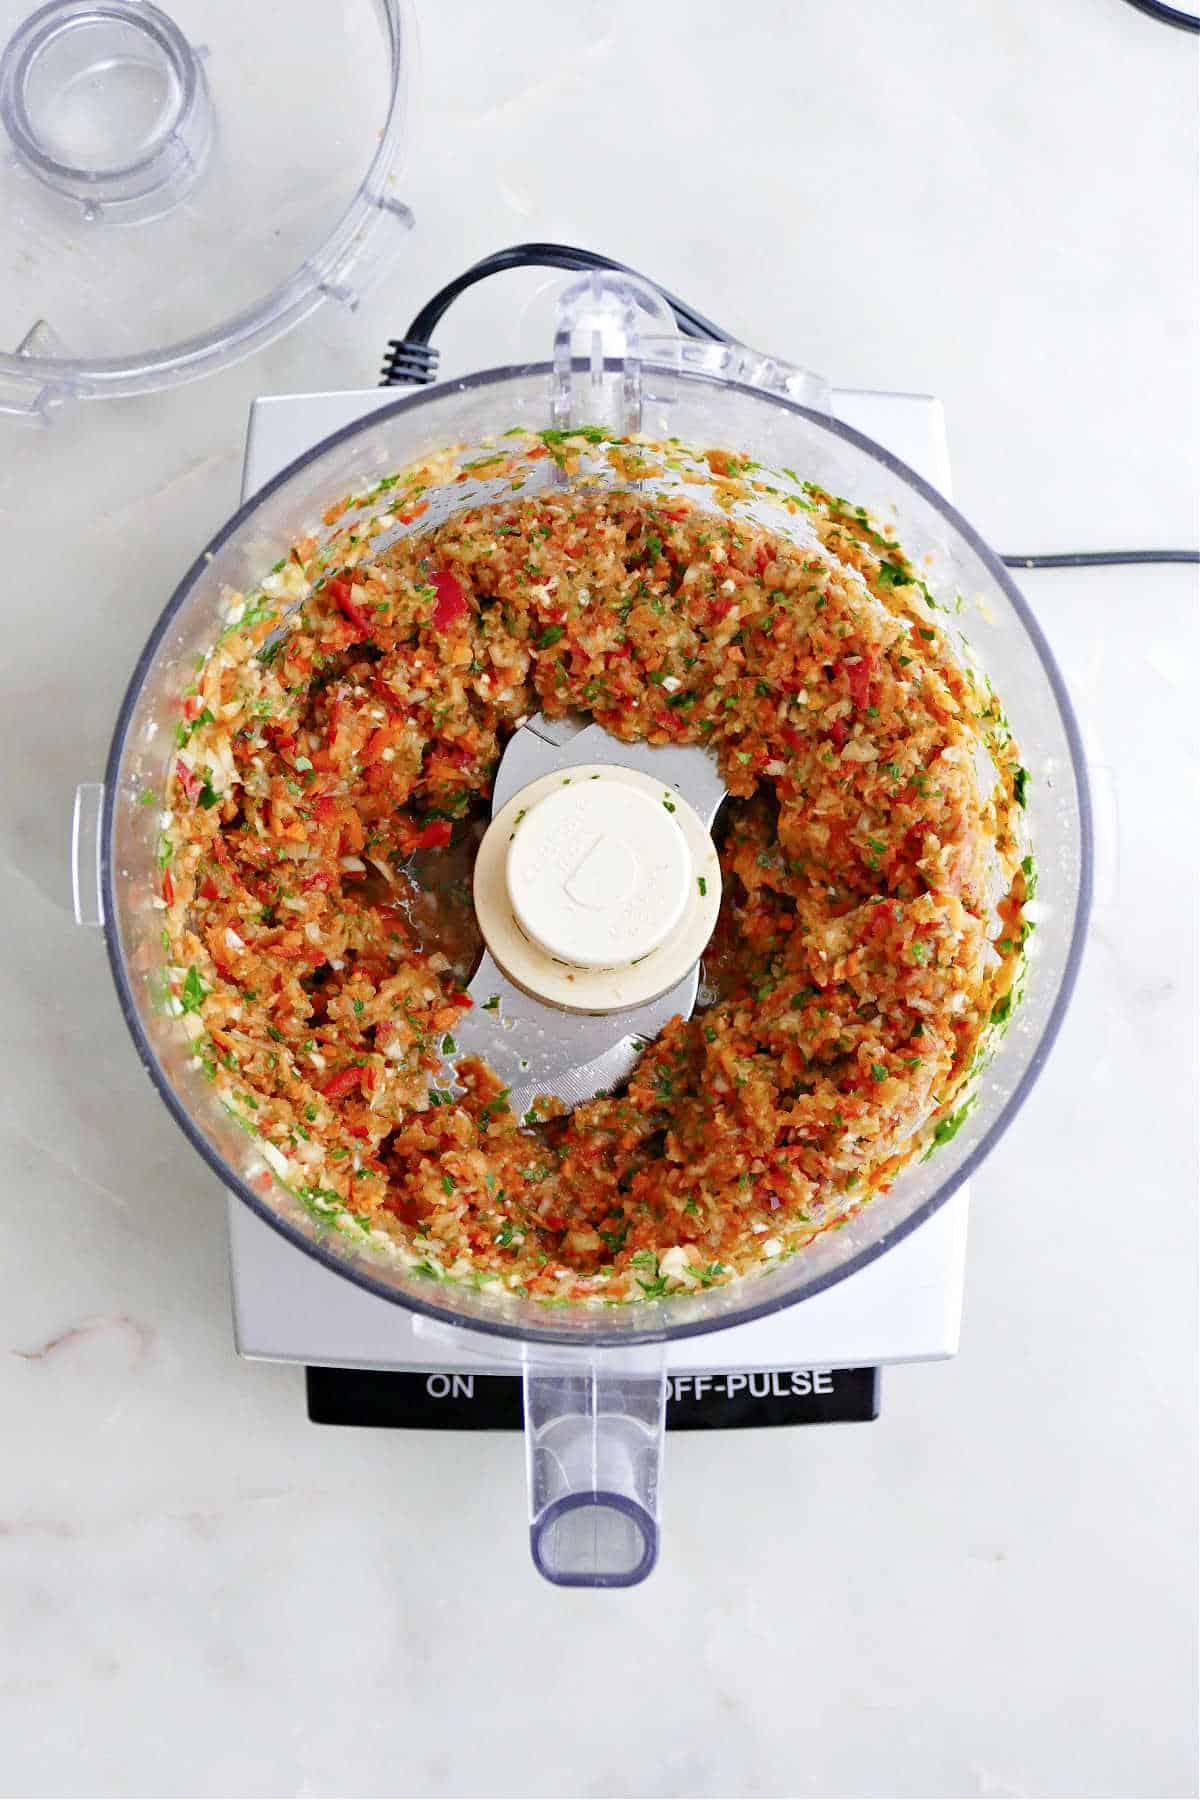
594	1379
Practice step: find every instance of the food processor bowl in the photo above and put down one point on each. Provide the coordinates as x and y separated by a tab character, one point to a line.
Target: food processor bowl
595	1375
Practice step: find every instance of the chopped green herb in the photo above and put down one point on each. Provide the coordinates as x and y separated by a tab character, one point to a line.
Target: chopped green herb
591	434
654	1290
194	991
947	1129
712	1273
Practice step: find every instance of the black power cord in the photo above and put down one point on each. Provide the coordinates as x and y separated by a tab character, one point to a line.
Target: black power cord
1167	15
412	359
1099	559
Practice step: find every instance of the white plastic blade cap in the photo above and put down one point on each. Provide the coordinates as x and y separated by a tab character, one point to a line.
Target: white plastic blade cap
599	873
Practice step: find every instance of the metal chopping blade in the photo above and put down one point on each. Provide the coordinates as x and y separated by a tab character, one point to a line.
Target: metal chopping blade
536	1048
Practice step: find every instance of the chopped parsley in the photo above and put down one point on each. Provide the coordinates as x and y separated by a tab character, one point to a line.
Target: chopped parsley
948	1128
193	993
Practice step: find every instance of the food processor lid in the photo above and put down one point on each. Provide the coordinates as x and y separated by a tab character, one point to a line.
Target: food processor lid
179	185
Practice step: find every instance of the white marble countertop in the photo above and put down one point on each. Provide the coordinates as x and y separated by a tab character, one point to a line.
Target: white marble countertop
991	1590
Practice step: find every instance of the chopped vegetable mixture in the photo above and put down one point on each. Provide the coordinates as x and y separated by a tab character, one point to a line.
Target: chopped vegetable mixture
331	779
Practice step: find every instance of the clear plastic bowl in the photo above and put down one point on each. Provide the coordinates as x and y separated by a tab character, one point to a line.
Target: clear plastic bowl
686	393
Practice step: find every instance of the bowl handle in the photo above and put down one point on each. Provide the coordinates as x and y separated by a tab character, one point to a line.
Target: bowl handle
594	1423
86	892
612	330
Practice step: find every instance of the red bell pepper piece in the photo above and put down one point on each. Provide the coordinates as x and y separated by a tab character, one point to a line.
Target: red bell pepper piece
376	744
188	780
860	675
339	593
386	695
434	836
839	731
451	602
341	1084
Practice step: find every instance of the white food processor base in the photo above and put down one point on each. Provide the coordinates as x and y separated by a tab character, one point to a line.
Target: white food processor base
816	1360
